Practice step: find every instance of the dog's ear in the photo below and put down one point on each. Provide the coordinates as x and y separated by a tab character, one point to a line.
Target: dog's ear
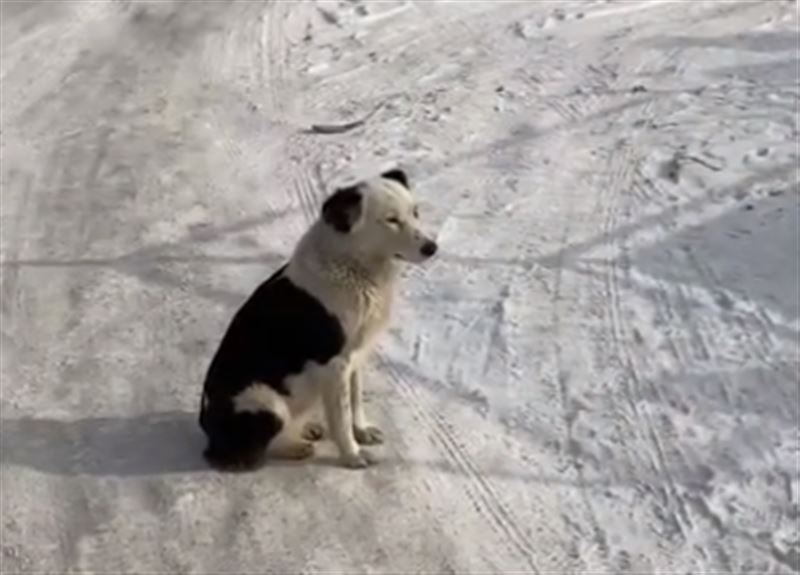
343	209
397	175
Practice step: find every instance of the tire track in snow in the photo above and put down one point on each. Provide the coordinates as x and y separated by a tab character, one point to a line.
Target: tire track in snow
675	302
681	510
564	395
625	174
481	494
254	43
308	191
273	52
599	76
436	37
244	46
13	244
622	177
302	151
538	80
679	304
258	38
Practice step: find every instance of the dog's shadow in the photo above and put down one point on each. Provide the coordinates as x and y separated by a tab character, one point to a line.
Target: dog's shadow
152	444
158	444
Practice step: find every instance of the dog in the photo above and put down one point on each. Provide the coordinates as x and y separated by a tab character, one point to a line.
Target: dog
301	339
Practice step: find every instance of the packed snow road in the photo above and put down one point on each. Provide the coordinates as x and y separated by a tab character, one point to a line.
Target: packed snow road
598	373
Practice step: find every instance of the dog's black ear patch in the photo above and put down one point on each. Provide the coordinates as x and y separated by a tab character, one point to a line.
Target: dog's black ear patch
397	175
343	209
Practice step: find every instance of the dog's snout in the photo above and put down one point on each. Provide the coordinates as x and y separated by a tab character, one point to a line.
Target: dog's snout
429	248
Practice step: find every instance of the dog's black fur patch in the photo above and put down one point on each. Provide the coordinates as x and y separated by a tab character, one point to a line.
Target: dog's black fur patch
397	175
237	441
277	330
343	209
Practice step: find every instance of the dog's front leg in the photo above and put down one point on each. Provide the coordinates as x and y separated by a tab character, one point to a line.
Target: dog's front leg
364	433
339	415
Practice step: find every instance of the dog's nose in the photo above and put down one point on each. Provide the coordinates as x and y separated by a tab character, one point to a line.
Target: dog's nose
429	248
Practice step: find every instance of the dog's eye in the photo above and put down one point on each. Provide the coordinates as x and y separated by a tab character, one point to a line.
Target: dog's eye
393	221
416	212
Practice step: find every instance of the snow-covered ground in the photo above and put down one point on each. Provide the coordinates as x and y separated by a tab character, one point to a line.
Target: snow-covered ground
599	373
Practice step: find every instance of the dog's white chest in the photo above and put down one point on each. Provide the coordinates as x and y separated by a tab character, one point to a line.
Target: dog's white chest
373	316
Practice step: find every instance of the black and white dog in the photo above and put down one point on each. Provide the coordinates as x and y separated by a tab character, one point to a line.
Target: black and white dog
306	331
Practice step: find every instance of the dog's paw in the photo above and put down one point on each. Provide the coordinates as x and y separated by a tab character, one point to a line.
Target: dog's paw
368	435
295	451
359	460
313	431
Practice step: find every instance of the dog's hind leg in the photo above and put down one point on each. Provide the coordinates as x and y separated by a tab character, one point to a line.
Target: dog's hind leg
287	445
246	427
312	426
313	431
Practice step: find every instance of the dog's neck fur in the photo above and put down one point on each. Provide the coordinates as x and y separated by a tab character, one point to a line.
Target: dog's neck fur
319	259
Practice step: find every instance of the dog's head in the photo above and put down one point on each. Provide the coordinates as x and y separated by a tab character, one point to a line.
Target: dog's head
379	218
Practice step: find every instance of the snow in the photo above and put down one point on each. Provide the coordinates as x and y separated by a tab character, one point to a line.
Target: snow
599	373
